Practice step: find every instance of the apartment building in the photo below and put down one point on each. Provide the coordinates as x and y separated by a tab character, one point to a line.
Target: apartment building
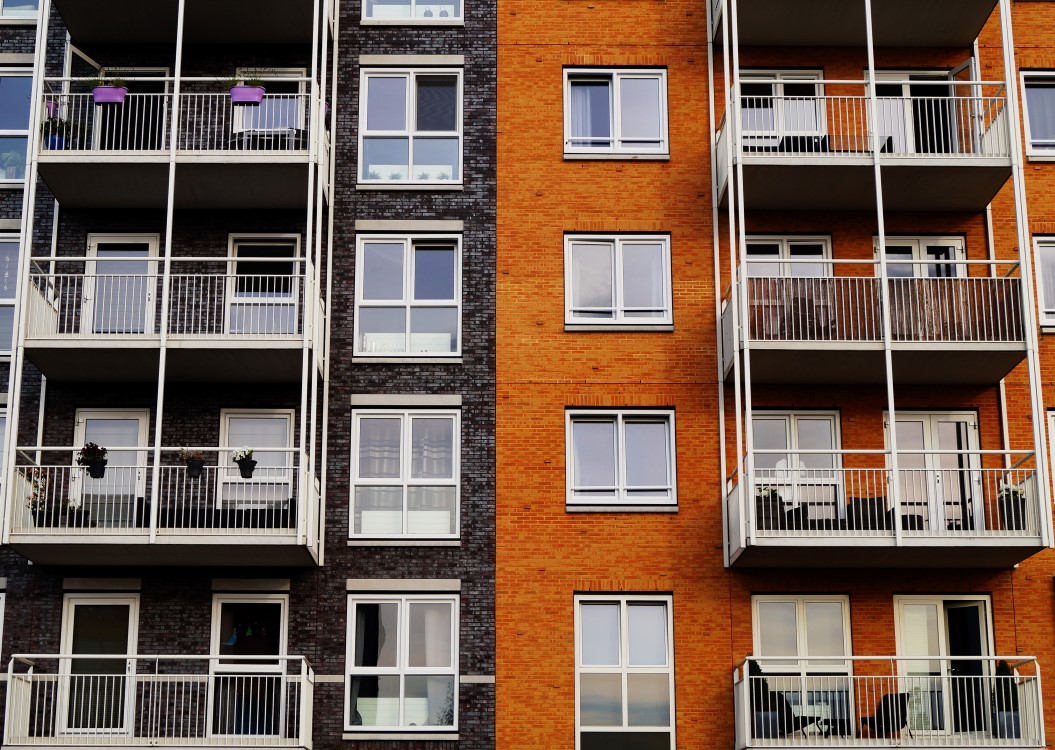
252	245
787	482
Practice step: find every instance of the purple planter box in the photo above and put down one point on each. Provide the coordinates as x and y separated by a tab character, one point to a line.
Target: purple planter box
109	94
247	94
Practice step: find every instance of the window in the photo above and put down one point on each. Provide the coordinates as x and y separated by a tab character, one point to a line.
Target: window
269	485
624	664
410	127
264	297
777	106
924	257
284	106
9	251
621	458
402	663
615	112
807	483
408	296
434	11
617	280
405	473
1045	257
16	87
1039	105
788	257
19	9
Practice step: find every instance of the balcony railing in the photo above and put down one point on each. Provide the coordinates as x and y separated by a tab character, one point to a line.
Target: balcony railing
854	494
832	301
236	304
917	701
123	700
143	124
56	497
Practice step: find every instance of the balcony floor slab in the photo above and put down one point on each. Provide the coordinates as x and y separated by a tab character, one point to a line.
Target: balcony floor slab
258	550
809	551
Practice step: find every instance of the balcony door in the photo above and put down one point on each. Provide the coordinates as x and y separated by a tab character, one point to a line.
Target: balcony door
917	113
779	110
270	489
119	285
263	288
926	303
938	471
140	123
96	695
248	696
789	288
115	500
945	695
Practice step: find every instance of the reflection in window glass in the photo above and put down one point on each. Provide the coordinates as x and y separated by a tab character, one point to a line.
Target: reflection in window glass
616	111
623	458
618	280
1040	108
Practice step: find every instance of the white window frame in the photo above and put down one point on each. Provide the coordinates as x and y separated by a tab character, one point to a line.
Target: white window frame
9	302
624	669
800	602
16	72
919	245
91	270
619	318
620	418
777	78
410	133
785	265
228	474
435	7
233	299
796	478
405	481
1034	152
402	669
617	147
237	124
407	303
6	15
1044	246
79	474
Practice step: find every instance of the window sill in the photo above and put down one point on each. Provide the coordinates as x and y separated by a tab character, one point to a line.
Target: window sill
618	327
20	185
615	156
17	21
404	542
621	508
412	22
400	736
425	187
1040	157
1047	328
365	360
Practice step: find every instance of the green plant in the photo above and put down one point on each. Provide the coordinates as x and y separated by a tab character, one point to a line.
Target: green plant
58	126
250	77
1009	493
104	81
191	454
243	454
761	697
1005	693
424	176
373	175
90	452
769	494
38	489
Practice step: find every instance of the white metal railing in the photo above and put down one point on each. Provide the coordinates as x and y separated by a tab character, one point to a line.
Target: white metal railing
957	121
126	700
786	304
54	496
235	303
143	124
843	493
918	701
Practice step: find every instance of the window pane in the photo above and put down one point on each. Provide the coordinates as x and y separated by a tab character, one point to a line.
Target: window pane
249	628
388	8
592	279
756	107
379	443
899	270
14	101
432	448
7	327
20	7
430	510
437	103
12	157
648	634
376	634
763	251
1046	257
382	330
383	271
374	701
776	629
386	158
646	454
436	159
640	110
8	269
644	279
429	701
815	434
260	432
600	700
378	510
599	639
434	329
594	454
1040	102
648	700
824	629
430	635
433	272
386	103
800	107
770	434
806	251
591	118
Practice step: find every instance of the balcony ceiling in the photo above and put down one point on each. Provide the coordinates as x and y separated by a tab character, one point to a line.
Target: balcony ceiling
840	23
206	21
243	550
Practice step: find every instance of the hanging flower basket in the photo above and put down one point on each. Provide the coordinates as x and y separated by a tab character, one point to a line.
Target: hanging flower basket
93	457
109	94
246	467
247	95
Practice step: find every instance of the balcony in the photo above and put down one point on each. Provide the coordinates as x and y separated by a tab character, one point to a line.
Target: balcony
959	328
205	21
230	324
922	701
228	156
895	23
946	151
140	513
846	509
140	701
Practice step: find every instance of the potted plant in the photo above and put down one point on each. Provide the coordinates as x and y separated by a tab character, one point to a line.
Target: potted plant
246	464
57	132
77	517
195	461
763	707
14	164
1012	502
108	90
248	89
769	507
1006	723
37	501
94	457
